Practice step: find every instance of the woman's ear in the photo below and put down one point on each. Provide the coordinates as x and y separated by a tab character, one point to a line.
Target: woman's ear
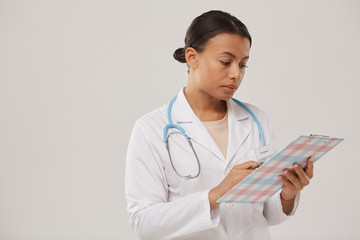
191	56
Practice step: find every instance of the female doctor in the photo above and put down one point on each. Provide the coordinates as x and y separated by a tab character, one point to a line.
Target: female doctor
185	155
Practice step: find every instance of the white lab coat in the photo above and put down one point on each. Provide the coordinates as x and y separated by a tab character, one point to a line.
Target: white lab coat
164	206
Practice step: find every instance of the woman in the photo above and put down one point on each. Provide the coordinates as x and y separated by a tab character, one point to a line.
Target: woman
172	190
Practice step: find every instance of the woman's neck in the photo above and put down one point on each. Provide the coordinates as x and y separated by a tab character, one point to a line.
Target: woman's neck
205	107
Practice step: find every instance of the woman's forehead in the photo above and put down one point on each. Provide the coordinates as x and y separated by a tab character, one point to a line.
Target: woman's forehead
228	43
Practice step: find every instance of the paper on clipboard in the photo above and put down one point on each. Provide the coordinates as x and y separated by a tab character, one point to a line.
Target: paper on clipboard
261	184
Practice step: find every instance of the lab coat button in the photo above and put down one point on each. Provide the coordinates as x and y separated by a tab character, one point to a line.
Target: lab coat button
229	205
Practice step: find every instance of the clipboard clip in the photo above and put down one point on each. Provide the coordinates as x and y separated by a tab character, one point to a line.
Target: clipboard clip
317	135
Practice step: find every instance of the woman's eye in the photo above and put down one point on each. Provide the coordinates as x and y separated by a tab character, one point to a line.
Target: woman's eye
243	66
225	63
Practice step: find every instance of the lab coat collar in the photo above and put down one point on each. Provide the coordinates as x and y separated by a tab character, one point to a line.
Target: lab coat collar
239	128
182	112
183	115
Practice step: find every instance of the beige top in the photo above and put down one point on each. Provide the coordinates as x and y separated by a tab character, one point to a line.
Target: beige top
219	131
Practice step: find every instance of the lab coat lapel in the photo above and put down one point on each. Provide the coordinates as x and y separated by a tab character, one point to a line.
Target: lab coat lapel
238	128
184	116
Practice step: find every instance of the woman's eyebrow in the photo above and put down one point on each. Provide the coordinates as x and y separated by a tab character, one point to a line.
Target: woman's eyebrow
232	55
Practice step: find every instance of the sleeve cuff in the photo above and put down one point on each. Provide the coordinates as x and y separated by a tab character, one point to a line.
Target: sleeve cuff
296	203
213	215
278	202
273	211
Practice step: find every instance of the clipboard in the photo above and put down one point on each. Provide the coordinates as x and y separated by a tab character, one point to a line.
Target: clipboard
261	184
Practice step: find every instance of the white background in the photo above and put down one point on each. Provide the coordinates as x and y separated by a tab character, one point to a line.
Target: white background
75	75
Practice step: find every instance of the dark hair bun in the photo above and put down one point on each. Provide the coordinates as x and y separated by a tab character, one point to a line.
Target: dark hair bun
179	55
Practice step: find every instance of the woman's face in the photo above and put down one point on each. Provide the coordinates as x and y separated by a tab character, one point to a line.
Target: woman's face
220	67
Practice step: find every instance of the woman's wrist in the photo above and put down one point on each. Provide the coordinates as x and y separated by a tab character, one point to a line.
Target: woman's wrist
287	198
213	197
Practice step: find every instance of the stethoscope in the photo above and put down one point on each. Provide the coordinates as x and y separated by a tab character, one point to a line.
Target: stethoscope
172	125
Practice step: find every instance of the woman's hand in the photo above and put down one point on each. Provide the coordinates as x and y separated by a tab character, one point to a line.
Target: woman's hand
294	181
236	175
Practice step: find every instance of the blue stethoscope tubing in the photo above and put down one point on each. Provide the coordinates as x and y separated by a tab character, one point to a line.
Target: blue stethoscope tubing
255	119
172	125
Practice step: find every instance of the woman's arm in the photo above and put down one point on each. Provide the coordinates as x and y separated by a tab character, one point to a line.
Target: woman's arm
151	215
236	175
294	183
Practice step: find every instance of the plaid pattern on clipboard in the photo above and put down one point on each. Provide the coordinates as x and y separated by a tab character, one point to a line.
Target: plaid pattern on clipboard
263	182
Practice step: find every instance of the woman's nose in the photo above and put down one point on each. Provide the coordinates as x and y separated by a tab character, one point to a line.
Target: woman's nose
235	73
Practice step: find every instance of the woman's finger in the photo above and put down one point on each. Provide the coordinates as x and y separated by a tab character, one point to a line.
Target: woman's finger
293	179
286	183
246	165
304	179
310	167
238	174
242	171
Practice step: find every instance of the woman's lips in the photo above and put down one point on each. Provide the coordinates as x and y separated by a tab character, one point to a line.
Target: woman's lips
230	88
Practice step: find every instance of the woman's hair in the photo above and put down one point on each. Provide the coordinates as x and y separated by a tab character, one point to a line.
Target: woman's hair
207	26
